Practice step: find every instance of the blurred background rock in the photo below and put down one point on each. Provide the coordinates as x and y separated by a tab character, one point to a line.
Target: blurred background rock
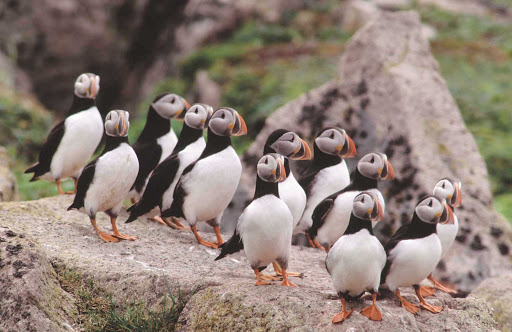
251	55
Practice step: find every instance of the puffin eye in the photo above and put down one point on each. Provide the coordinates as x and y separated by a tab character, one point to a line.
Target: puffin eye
362	199
223	116
331	136
293	138
173	100
197	110
266	161
444	185
372	160
430	203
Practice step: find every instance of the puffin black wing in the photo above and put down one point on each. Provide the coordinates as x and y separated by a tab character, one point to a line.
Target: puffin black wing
158	183
47	151
149	155
176	209
319	214
84	181
232	246
307	179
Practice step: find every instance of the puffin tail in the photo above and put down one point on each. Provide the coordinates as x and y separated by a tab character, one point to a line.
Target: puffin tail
143	206
232	246
75	205
33	169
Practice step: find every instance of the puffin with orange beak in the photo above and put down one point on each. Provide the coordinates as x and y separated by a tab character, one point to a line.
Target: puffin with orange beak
157	140
448	189
106	180
328	173
72	142
264	229
415	249
356	260
331	217
206	186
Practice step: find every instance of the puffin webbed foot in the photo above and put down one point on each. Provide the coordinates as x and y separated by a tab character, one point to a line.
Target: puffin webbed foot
201	241
260	282
441	287
425	305
426	291
286	282
279	272
414	309
372	312
338	318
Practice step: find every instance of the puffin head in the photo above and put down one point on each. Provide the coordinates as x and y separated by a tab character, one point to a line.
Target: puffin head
198	116
270	168
170	106
288	144
449	189
87	85
366	206
376	166
227	122
335	141
116	123
433	210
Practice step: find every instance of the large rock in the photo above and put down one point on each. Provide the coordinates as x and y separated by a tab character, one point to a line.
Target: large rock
226	300
390	97
7	179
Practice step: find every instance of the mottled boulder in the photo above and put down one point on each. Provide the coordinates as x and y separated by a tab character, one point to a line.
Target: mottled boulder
391	97
7	179
220	295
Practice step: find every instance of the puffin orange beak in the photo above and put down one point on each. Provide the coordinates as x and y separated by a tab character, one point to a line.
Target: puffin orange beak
282	170
388	173
457	197
123	125
349	148
239	128
304	152
377	212
447	217
181	113
93	90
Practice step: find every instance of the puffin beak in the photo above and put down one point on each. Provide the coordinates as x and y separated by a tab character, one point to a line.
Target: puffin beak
123	125
349	148
387	172
303	153
377	213
239	128
456	200
180	115
447	217
282	170
92	88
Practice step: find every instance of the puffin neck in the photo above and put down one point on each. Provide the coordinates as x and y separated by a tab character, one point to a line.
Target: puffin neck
156	126
112	142
421	229
265	188
188	135
214	144
356	224
80	104
323	160
268	149
362	182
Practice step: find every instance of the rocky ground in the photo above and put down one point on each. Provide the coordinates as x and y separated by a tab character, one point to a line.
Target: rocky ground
38	238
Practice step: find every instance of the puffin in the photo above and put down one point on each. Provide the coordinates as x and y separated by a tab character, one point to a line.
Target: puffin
450	190
206	186
331	217
265	227
160	188
328	172
415	249
72	142
106	180
157	140
357	258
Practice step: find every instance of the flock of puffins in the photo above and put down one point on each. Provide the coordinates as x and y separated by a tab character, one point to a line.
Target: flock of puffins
169	178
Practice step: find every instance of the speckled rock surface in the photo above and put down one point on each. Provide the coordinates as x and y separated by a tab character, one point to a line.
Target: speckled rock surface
226	300
391	97
7	179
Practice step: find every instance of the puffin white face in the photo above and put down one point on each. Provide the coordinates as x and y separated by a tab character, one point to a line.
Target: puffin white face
270	168
335	141
449	189
170	106
117	123
292	146
227	122
431	210
376	166
87	85
198	116
366	206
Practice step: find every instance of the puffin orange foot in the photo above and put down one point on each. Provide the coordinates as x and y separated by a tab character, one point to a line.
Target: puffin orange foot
262	283
286	282
107	238
161	221
208	244
414	309
426	291
124	237
372	312
270	278
178	224
71	192
432	308
341	316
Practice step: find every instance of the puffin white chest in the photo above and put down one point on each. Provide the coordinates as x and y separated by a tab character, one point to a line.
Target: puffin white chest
413	260
294	196
82	134
338	218
210	185
167	143
447	234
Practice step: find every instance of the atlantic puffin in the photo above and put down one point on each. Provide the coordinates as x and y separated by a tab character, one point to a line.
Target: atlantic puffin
107	179
357	258
265	227
415	249
72	142
157	140
160	189
331	217
328	172
448	189
206	186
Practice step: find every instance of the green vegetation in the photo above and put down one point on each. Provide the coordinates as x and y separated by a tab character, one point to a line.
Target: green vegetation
98	313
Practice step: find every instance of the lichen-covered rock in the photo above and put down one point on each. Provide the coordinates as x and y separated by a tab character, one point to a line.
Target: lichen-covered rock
7	179
497	292
390	97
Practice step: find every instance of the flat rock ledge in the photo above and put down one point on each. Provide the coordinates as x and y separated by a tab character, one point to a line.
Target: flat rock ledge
38	238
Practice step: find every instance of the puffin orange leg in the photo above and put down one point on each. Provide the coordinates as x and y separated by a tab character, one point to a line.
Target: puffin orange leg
286	282
372	312
406	304
259	282
218	235
442	288
343	314
270	277
59	188
318	245
120	235
425	305
177	222
133	200
162	222
201	241
426	291
73	191
311	243
104	236
279	271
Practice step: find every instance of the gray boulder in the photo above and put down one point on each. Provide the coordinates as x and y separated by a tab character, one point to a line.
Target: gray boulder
391	97
7	179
